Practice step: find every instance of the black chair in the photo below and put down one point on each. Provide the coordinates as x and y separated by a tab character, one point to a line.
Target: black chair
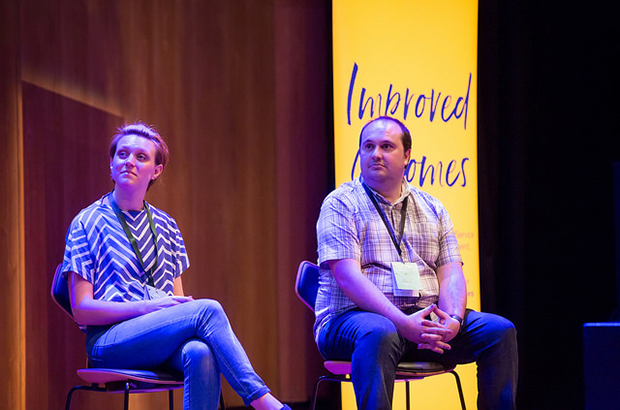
125	381
306	288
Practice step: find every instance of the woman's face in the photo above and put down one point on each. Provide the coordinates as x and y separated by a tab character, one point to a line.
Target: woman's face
133	165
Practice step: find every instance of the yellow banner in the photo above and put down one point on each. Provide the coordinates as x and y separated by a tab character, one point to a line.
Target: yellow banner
417	61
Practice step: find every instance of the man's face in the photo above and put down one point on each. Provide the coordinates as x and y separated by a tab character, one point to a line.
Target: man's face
382	156
133	165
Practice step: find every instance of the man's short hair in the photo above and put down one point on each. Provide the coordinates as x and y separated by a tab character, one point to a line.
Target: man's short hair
406	137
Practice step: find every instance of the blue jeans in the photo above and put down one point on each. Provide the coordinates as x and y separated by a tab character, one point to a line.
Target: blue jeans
194	337
374	347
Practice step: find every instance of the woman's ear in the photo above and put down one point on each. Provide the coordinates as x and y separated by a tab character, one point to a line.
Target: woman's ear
157	172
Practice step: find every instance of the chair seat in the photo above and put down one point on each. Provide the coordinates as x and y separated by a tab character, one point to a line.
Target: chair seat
408	370
422	369
141	380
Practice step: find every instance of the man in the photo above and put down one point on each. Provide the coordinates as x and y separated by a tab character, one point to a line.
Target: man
392	286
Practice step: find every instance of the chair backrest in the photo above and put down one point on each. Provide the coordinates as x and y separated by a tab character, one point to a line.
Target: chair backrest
60	291
307	283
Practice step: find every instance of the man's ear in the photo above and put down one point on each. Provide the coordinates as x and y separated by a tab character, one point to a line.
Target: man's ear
407	157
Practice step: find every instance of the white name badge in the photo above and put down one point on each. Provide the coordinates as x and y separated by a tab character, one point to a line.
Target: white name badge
406	280
155	293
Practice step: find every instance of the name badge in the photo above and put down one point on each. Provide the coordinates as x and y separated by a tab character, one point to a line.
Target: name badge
155	293
406	278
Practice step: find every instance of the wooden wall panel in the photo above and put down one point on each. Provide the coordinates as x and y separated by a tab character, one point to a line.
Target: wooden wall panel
12	361
248	123
65	144
304	135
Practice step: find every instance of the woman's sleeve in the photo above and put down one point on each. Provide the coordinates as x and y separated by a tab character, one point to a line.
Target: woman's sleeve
78	257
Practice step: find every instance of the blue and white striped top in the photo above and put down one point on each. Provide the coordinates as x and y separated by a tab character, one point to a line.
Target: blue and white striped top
97	249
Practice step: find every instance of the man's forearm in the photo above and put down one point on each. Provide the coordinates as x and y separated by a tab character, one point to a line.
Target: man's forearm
362	291
452	289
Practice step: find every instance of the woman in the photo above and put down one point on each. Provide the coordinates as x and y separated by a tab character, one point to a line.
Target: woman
124	260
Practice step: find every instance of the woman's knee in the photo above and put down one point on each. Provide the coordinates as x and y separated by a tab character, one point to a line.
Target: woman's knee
210	309
196	351
209	304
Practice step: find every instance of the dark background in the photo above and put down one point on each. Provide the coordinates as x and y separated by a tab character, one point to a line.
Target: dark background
547	147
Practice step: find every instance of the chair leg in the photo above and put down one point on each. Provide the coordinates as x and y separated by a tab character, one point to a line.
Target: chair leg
222	403
126	407
94	388
315	392
171	399
407	395
70	395
460	388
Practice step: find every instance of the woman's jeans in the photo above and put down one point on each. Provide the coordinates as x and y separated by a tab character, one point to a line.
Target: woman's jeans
374	347
193	337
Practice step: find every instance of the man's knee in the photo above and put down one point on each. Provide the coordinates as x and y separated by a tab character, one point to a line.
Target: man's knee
500	332
379	341
504	329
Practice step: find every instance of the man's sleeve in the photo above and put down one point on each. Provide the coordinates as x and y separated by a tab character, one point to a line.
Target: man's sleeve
337	233
448	244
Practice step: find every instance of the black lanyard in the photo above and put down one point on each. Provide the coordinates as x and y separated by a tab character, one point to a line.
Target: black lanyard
132	240
388	225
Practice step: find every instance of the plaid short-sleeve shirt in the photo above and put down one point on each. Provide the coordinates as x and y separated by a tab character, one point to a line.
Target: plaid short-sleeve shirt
349	227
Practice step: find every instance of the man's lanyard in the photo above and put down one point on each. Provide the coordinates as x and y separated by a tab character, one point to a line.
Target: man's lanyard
132	240
388	225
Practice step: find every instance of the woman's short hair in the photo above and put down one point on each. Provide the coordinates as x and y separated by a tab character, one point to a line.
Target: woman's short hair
142	130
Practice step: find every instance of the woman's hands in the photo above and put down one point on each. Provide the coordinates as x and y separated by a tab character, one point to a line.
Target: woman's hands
165	302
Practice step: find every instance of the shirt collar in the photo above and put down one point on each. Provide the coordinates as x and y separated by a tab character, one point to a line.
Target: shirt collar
404	192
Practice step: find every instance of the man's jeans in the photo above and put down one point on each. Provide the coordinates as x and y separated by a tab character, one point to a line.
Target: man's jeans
194	337
374	347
